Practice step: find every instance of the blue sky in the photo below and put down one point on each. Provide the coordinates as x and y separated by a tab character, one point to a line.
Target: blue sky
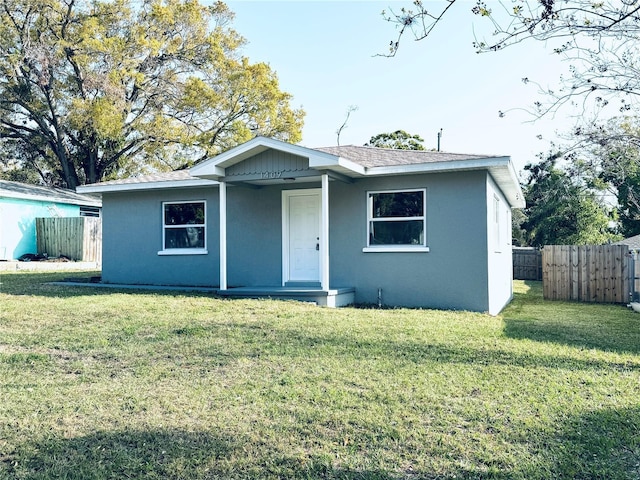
324	55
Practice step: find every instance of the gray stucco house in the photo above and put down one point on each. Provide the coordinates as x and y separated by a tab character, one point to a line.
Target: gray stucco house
334	225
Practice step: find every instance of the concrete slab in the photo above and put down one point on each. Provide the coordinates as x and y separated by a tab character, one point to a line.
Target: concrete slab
13	266
334	297
117	286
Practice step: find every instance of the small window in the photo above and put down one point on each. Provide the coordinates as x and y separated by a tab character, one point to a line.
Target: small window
184	225
396	219
89	211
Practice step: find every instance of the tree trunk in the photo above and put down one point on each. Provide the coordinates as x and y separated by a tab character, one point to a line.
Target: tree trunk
69	174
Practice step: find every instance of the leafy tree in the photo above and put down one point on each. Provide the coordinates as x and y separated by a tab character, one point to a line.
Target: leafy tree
611	162
518	233
16	174
599	41
598	38
399	139
561	211
25	170
94	90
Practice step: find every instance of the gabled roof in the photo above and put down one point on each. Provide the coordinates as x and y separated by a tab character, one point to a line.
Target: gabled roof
45	194
214	168
349	161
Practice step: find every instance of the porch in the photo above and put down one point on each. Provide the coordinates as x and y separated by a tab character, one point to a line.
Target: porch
303	226
333	297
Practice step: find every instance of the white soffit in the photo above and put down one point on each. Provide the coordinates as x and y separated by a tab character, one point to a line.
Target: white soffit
336	164
507	180
137	186
500	168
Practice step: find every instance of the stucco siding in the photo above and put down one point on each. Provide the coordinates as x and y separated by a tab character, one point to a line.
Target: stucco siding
18	224
132	238
453	274
499	253
254	236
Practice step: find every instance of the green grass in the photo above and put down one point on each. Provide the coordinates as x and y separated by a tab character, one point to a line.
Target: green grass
98	384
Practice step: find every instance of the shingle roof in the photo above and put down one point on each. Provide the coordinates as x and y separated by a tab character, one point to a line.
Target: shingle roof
41	193
349	160
365	156
152	178
385	157
632	242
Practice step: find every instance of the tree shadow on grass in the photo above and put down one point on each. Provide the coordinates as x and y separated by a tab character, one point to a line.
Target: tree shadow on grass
168	455
609	328
122	454
264	340
581	337
80	284
602	444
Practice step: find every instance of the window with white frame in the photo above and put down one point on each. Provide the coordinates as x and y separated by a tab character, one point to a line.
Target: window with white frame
184	225
396	219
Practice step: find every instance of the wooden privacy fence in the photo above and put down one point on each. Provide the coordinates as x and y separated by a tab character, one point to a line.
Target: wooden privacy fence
589	273
79	238
527	263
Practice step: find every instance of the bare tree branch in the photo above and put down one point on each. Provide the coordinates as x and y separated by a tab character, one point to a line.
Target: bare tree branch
350	110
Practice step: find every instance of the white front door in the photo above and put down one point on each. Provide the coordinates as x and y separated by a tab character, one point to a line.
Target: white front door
301	235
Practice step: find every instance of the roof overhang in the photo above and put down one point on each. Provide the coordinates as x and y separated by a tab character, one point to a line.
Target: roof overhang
140	186
63	197
89	202
500	168
507	179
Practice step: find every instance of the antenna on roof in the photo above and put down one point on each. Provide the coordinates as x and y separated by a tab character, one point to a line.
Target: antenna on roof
439	137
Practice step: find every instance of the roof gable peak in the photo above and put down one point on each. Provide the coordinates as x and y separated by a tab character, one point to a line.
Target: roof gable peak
214	167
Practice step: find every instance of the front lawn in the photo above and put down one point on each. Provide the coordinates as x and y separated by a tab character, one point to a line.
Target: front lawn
98	384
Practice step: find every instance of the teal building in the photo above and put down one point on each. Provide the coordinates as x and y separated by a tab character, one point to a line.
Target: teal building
21	204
